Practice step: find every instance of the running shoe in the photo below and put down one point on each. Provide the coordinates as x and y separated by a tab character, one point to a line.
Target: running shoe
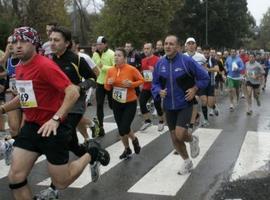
8	151
47	194
161	126
97	153
186	167
136	146
145	126
95	171
194	146
126	154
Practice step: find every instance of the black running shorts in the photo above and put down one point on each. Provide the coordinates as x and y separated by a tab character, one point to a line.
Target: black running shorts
180	117
55	148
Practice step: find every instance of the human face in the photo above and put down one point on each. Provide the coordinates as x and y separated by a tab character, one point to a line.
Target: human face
101	47
24	50
119	57
147	50
212	53
128	47
206	53
233	53
251	58
58	43
10	45
159	46
171	46
49	29
199	50
191	46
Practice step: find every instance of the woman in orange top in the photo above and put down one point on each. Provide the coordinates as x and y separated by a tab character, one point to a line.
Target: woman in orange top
122	80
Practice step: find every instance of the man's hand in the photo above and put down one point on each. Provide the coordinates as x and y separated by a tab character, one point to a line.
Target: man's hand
49	127
110	81
190	93
163	93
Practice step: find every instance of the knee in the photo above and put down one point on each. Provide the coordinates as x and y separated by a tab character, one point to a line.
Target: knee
16	176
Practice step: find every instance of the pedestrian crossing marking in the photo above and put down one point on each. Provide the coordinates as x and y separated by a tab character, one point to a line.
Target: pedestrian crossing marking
4	168
163	179
115	150
254	154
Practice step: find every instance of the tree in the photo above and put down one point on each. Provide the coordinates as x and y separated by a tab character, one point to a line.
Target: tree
228	22
264	37
136	21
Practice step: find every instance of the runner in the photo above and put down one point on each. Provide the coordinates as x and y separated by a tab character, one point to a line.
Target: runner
254	76
148	64
122	81
233	67
176	79
39	82
104	59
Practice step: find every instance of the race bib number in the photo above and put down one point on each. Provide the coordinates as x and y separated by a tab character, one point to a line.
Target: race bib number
26	93
148	75
12	84
120	94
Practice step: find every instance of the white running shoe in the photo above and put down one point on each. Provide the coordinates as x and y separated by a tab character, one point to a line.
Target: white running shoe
47	194
186	167
205	123
161	126
211	113
145	126
194	146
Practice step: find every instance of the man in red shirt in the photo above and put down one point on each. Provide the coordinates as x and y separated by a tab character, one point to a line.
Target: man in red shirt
40	82
148	64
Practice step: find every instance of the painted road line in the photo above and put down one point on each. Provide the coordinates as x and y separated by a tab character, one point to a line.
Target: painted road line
115	150
254	155
4	168
163	178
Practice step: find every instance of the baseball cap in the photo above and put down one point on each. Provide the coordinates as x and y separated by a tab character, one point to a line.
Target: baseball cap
101	39
26	33
190	39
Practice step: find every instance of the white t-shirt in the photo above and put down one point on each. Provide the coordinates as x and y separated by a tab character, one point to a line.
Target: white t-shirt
88	59
198	57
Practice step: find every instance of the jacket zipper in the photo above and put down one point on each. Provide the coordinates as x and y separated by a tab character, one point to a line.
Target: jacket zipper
171	83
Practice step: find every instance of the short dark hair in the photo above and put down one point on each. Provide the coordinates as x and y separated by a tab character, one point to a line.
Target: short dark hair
65	32
122	50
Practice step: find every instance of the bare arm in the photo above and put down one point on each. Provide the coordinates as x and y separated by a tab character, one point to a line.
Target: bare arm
71	95
11	105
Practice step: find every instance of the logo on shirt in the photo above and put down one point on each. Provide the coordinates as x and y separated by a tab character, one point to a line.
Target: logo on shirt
178	69
163	68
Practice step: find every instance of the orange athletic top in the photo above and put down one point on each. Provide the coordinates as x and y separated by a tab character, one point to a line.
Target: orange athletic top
121	73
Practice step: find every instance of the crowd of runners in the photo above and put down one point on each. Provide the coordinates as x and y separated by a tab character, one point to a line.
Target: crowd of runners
46	88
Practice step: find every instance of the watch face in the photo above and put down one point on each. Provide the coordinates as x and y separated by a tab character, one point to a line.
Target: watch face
56	118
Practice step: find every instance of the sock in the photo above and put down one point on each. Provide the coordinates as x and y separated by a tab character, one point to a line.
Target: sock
205	112
94	154
214	106
2	146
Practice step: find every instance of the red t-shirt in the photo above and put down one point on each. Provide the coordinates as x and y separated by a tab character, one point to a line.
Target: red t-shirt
49	83
245	59
147	63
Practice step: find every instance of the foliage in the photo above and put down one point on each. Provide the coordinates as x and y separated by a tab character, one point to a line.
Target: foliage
136	21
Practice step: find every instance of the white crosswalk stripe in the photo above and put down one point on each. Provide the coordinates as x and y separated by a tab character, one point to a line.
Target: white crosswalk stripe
115	150
163	178
254	155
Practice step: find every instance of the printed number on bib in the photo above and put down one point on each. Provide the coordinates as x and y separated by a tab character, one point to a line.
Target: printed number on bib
120	94
148	76
26	93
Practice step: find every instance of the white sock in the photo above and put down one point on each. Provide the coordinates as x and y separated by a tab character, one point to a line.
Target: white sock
2	147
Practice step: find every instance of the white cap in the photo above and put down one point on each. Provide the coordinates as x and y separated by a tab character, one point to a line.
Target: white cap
101	39
190	39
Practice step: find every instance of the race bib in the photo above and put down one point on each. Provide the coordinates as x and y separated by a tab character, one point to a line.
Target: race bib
148	75
12	84
120	94
26	93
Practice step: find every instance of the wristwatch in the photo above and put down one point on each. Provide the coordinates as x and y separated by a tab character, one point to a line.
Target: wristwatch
56	118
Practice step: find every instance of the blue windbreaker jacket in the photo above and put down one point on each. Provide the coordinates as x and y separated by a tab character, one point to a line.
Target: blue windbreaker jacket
177	75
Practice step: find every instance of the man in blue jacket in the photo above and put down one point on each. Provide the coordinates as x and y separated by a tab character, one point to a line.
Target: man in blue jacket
176	79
